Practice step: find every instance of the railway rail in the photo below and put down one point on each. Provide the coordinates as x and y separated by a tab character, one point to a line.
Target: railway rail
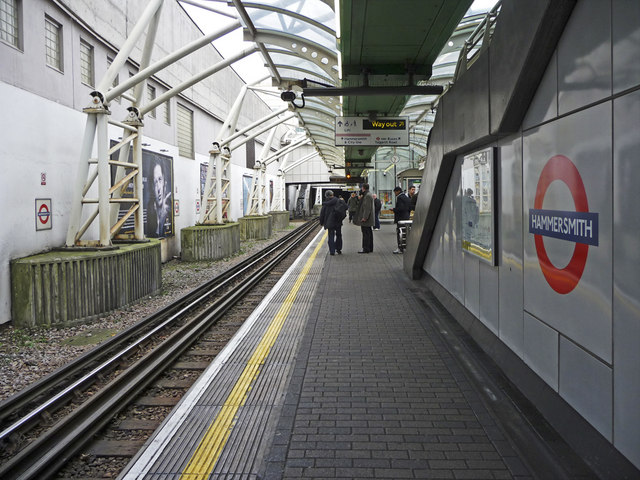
178	325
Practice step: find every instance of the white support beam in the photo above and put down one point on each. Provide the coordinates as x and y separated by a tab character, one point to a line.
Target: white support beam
168	60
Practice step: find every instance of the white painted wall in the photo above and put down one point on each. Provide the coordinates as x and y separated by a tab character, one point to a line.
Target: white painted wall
43	122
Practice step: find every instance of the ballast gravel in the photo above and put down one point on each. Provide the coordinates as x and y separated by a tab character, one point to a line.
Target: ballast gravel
28	354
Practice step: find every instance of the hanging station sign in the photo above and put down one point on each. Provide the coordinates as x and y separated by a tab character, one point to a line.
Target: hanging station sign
360	131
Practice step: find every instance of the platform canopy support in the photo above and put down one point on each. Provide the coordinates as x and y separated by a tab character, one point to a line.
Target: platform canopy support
102	201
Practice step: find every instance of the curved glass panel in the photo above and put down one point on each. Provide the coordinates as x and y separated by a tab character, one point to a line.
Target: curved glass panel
296	18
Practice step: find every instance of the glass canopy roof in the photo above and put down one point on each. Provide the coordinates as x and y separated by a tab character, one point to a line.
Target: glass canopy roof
298	41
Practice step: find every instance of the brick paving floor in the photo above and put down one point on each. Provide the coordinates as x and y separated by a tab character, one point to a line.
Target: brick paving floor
376	392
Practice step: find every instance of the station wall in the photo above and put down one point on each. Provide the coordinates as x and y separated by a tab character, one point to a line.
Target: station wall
583	342
43	124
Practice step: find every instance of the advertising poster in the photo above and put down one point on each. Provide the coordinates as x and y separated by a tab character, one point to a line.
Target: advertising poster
477	205
246	191
157	193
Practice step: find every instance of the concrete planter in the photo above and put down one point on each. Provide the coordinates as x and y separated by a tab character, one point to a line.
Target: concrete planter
255	227
209	242
280	220
70	287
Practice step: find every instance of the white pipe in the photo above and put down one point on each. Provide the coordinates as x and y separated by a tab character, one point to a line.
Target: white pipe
168	60
211	9
104	181
83	171
283	151
127	46
255	124
260	131
197	78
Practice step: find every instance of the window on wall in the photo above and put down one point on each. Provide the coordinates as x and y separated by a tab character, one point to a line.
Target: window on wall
10	22
116	79
185	132
151	96
167	112
53	43
86	63
251	153
131	74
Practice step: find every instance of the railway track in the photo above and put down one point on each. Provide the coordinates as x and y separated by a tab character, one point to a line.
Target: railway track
104	381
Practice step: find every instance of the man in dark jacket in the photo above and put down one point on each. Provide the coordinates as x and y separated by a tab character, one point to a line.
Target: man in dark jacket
353	204
332	222
402	211
366	219
377	204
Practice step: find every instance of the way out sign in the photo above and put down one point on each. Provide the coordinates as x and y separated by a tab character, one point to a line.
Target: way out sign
360	131
43	214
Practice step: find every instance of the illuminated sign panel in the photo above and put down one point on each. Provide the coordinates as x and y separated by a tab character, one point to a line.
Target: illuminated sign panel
360	131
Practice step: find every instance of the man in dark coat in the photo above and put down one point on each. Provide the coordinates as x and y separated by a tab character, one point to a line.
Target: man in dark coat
366	219
402	211
353	204
332	222
377	204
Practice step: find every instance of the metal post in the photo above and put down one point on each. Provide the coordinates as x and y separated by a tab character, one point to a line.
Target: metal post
104	181
137	187
121	58
218	204
81	178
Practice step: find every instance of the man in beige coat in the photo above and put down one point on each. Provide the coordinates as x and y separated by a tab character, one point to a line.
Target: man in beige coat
366	219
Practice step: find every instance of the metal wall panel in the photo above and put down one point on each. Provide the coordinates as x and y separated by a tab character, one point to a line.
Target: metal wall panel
626	258
472	284
586	383
544	105
540	349
626	41
489	304
457	255
510	244
584	59
583	314
433	260
447	246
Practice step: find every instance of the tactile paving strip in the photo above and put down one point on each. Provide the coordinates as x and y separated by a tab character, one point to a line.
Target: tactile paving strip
235	404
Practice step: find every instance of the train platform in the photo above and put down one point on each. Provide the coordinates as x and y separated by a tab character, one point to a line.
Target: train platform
348	369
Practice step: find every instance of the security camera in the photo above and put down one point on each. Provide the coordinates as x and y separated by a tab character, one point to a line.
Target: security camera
288	96
384	174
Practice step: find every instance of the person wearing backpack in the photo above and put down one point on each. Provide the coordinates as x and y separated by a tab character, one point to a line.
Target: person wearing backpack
331	215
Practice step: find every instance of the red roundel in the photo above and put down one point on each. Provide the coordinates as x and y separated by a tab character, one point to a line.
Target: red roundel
562	280
43	214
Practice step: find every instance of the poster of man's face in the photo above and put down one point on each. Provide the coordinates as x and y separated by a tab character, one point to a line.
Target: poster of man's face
157	180
157	195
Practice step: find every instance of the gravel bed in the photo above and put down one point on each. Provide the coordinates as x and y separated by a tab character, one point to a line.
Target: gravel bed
28	354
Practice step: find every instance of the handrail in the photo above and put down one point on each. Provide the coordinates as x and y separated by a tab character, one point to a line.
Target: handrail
477	42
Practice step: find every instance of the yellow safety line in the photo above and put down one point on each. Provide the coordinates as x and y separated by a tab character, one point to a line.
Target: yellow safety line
208	452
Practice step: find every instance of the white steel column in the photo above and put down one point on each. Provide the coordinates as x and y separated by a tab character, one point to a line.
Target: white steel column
104	180
81	178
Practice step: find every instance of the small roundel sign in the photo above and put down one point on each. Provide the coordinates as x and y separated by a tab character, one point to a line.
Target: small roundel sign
579	226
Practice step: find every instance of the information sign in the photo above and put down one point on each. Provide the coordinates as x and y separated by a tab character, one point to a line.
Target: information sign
43	214
360	131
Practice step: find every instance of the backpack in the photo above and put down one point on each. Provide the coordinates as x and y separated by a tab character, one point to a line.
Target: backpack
340	211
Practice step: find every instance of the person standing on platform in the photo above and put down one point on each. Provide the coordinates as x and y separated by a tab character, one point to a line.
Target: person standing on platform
366	219
377	205
402	211
353	206
413	196
332	213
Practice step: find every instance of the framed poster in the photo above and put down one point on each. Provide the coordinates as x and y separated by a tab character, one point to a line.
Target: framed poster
157	195
478	200
247	182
